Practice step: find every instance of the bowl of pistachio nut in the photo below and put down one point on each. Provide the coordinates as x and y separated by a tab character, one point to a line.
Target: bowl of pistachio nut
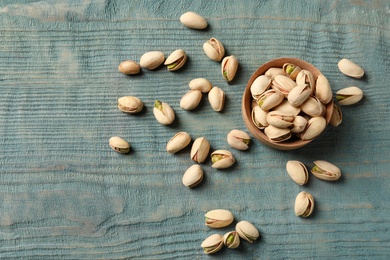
287	103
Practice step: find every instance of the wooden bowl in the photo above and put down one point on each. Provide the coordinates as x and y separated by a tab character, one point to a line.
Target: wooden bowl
292	143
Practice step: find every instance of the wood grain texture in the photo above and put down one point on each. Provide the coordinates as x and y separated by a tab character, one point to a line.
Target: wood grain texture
64	194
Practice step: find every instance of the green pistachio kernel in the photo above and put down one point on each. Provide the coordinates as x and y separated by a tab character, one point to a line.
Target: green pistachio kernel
158	105
290	68
216	157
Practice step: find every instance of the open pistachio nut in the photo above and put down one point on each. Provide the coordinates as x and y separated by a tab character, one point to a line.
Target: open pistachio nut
193	176
214	49
247	231
212	244
218	218
163	113
238	139
304	204
200	150
297	171
178	142
231	239
326	171
222	159
176	60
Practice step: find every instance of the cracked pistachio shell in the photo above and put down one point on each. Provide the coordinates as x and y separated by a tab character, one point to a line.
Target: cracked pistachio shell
259	117
247	231
304	204
291	70
299	124
163	113
178	142
283	84
218	218
229	67
193	20
306	77
349	96
260	85
216	98
200	149
297	171
151	60
231	239
176	60
270	99
193	176
326	171
201	84
298	95
337	116
191	99
214	49
323	90
350	68
313	106
238	139
287	108
222	159
272	72
276	134
212	244
129	67
315	126
280	119
130	104
119	145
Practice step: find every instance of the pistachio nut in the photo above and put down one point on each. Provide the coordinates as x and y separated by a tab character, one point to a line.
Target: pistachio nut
297	171
299	124
337	116
247	231
191	99
163	113
214	49
276	134
130	104
283	84
178	142
152	59
193	20
200	149
349	96
326	171
193	176
291	70
119	145
218	218
238	139
313	106
350	68
216	98
259	117
304	204
323	91
299	94
287	108
176	60
269	99
229	67
222	159
306	77
315	126
201	84
129	67
212	244
260	85
272	72
280	119
231	239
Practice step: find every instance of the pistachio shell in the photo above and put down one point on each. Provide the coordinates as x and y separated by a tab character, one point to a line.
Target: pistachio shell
119	145
238	139
326	171
218	218
283	84
216	98
222	159
151	60
306	77
280	119
297	171
299	94
350	68
178	142
212	244
193	20
229	67
287	108
200	84
315	126
313	107
191	99
260	85
214	49
231	239
291	70
349	96
163	113
270	99
272	72
200	149
337	116
276	134
193	176
129	67
259	117
323	91
247	231
299	124
130	104
176	60
304	204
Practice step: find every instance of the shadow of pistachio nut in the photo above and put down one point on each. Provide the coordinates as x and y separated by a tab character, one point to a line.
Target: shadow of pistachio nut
326	171
315	126
176	60
214	49
152	59
297	171
349	96
323	90
337	116
129	67
260	85
283	84
238	139
163	113
191	99
201	84
306	77
216	98
193	20
212	244
270	99
218	218
119	145
229	67
291	70
200	150
193	176
304	204
178	142
222	159
231	239
280	119
247	231
130	104
350	68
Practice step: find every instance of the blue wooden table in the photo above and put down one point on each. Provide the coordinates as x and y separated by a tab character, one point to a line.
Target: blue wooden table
65	194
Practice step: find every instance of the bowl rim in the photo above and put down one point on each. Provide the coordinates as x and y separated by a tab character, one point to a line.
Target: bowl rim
247	100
